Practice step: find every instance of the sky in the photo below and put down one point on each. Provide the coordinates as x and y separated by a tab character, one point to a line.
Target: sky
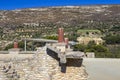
18	4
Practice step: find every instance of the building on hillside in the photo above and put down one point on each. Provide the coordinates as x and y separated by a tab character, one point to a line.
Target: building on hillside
89	35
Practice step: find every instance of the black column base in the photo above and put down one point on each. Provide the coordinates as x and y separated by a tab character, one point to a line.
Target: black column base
63	67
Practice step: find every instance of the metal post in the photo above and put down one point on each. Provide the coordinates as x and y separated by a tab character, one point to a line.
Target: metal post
25	45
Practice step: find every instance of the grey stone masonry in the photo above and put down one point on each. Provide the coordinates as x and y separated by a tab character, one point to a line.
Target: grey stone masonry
40	67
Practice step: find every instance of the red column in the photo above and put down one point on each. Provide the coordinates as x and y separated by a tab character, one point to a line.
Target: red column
60	35
15	44
66	41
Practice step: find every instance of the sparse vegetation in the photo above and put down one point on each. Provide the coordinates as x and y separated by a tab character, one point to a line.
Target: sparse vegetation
41	23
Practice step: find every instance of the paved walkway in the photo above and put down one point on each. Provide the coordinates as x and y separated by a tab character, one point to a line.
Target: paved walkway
102	69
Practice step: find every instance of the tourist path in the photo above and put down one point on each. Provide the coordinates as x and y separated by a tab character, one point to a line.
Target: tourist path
102	69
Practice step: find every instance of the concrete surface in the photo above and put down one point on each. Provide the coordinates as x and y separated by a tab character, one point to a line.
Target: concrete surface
102	69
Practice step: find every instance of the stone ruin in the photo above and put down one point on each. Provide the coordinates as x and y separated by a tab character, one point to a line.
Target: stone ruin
40	67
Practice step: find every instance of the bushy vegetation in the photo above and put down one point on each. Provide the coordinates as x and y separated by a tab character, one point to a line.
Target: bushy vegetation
112	39
99	50
51	37
30	45
115	28
9	47
20	45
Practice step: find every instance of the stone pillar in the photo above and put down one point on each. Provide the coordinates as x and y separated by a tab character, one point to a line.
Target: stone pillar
66	41
15	44
60	35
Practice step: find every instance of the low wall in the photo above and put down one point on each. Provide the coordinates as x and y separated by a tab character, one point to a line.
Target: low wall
8	57
4	52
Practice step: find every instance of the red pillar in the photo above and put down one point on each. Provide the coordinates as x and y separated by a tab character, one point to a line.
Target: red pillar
15	44
66	41
60	35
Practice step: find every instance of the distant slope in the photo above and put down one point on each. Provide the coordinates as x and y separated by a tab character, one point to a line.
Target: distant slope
79	16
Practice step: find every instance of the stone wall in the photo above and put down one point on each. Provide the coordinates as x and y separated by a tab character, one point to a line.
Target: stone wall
40	66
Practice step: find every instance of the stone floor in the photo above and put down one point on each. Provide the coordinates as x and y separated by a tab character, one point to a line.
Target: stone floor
40	67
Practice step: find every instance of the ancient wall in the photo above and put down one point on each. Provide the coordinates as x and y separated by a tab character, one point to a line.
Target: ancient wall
40	66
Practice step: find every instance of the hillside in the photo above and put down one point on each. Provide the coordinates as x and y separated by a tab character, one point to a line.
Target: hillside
47	20
68	15
42	22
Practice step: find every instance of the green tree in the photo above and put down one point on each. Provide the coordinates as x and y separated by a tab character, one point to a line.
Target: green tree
91	44
21	44
79	47
9	46
112	39
100	48
51	37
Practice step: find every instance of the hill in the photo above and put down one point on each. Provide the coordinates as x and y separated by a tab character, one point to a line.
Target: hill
47	20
